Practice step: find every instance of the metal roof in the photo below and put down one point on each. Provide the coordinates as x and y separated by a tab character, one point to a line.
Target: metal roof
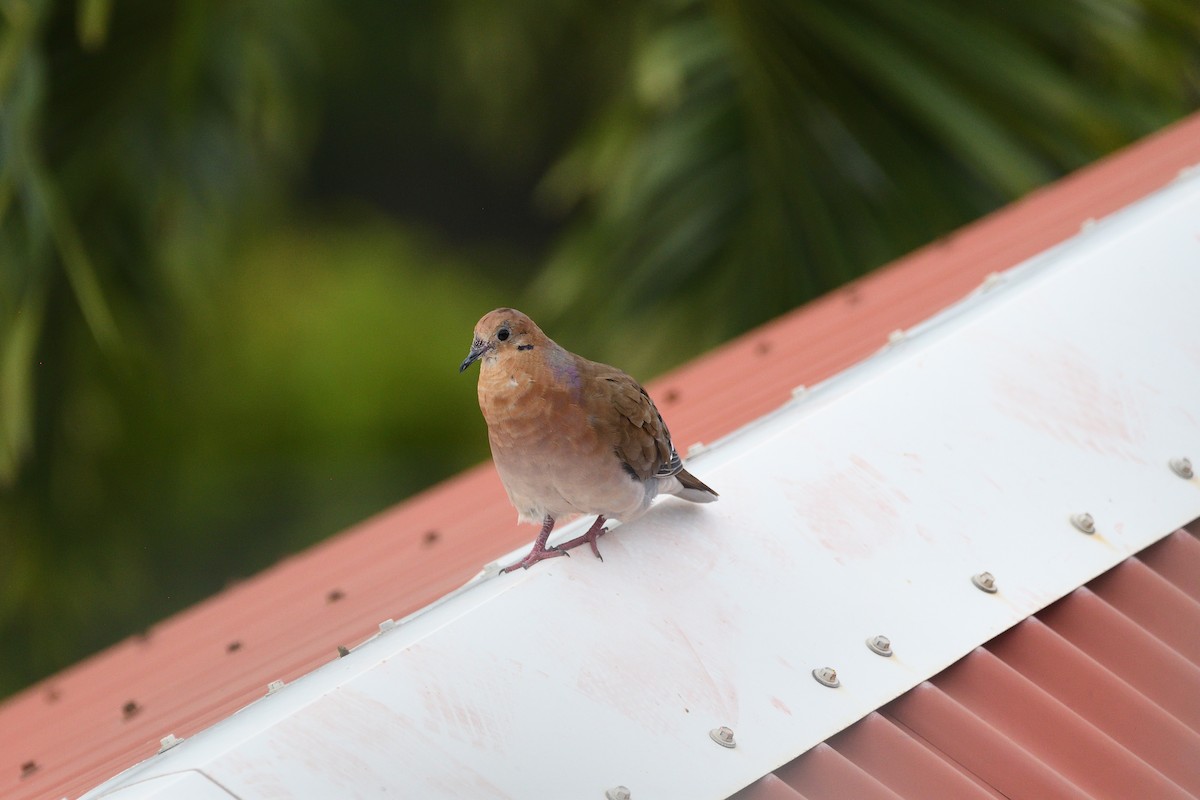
76	729
975	470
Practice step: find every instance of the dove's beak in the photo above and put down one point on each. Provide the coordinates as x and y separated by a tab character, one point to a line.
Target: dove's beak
478	348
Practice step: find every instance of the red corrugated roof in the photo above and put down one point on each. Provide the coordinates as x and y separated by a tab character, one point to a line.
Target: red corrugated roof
77	728
1096	696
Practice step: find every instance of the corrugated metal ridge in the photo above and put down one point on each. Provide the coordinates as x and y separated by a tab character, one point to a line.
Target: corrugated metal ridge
1096	696
184	676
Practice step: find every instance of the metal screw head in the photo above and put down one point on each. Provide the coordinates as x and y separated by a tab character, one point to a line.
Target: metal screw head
274	686
722	736
167	742
618	793
1084	522
985	581
827	676
880	645
1182	467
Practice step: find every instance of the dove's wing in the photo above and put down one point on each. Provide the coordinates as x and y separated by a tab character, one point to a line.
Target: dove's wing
623	414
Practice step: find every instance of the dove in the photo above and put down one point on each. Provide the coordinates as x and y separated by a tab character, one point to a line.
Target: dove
570	436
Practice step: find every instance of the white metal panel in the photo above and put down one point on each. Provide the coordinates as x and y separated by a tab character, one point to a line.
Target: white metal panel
171	786
863	508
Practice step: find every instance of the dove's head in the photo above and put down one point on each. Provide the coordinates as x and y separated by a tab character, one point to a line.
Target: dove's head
501	333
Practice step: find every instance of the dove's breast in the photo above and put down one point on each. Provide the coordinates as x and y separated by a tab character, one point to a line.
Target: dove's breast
546	448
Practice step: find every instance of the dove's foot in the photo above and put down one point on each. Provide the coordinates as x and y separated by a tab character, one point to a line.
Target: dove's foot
539	552
535	555
593	533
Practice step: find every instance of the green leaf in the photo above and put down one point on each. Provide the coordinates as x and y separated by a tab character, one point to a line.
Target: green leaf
17	353
78	265
92	18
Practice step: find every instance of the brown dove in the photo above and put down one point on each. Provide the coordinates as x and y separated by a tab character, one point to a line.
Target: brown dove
570	436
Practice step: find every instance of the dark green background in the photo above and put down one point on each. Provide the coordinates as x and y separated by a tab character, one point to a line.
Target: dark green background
243	242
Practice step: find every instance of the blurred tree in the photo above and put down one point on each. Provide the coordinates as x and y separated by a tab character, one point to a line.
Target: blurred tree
195	377
137	142
757	154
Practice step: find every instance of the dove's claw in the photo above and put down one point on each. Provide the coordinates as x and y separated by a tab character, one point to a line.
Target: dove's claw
535	555
539	552
593	533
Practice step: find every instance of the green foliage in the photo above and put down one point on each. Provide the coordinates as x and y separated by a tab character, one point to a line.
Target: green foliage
316	387
760	153
242	242
134	144
137	143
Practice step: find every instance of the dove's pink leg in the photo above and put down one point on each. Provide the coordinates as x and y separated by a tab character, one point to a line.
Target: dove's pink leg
593	533
539	551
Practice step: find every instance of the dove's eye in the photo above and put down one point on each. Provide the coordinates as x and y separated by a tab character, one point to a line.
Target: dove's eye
502	334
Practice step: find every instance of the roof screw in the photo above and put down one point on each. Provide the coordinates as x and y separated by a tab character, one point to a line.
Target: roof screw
880	645
387	625
723	736
1183	468
167	742
618	793
985	581
343	651
28	768
1084	522
896	336
274	686
827	676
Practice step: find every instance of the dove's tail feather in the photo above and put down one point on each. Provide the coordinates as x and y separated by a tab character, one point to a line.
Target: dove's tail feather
691	488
